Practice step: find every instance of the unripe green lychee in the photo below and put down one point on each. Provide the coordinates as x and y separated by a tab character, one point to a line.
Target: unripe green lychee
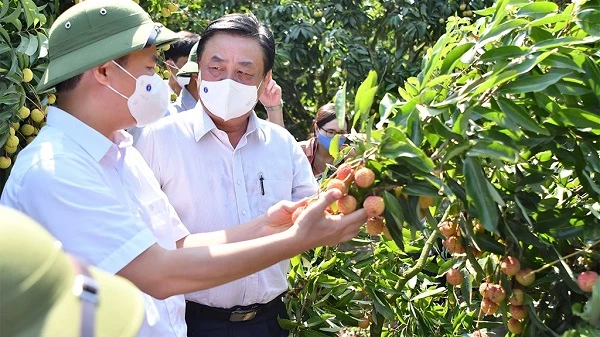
27	75
37	115
5	162
27	129
525	277
12	141
24	112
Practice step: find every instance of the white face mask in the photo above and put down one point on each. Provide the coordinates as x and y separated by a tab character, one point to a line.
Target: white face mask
228	99
150	100
183	81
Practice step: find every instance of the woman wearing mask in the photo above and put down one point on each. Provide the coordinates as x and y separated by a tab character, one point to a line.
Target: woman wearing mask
324	128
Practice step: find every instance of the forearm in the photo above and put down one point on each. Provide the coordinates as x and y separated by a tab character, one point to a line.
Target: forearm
249	230
197	268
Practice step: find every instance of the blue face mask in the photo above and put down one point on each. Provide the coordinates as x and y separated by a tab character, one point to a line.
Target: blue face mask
326	141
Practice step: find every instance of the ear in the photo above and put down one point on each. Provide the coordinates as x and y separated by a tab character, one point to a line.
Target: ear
103	73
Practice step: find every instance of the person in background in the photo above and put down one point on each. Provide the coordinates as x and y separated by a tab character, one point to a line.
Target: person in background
221	154
187	77
176	56
82	179
324	127
46	292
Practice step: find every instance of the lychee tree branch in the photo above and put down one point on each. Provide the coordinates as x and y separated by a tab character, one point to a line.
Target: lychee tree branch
548	265
414	270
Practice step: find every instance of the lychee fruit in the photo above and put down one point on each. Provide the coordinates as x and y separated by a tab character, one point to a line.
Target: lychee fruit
37	115
27	130
345	171
336	183
454	245
515	326
364	323
364	177
510	265
51	98
586	281
484	289
517	312
488	306
374	226
27	75
347	204
24	112
525	277
496	293
374	205
5	162
516	298
12	141
454	277
386	233
447	228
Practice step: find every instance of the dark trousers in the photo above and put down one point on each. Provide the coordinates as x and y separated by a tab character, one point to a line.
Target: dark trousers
203	321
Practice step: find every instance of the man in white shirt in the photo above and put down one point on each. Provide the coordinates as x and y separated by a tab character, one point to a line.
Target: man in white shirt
84	182
222	154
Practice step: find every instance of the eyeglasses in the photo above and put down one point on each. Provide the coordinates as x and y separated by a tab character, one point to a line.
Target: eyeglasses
331	133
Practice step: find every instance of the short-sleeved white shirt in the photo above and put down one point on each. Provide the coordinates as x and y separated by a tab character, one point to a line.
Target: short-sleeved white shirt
214	186
99	198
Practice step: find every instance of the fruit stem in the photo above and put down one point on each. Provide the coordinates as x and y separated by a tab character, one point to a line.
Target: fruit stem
548	265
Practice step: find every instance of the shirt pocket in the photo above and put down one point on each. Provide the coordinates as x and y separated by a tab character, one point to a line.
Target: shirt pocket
271	191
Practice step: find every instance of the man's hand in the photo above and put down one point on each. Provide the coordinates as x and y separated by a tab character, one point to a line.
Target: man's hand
279	216
319	228
271	96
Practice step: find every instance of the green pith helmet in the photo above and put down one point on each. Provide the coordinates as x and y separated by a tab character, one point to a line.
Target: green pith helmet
191	66
96	31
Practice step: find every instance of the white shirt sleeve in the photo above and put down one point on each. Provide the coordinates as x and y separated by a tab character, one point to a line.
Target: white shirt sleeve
78	207
304	184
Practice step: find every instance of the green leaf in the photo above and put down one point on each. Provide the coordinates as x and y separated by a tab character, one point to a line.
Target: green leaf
381	303
503	53
518	115
334	146
537	9
387	105
535	83
588	18
561	61
33	45
365	95
579	118
4	10
494	150
394	217
454	55
340	106
466	288
592	75
14	17
478	192
429	293
395	145
497	32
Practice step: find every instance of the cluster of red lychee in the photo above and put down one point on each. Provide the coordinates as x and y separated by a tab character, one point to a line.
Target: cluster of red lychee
348	180
451	232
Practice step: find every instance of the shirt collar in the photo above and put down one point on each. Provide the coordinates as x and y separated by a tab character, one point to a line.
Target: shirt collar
203	123
92	141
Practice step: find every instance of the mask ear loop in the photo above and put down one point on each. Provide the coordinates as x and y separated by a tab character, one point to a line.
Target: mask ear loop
126	72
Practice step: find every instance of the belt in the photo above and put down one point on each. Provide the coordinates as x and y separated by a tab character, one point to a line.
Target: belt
235	314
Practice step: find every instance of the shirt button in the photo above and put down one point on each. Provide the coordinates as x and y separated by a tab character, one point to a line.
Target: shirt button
238	182
244	212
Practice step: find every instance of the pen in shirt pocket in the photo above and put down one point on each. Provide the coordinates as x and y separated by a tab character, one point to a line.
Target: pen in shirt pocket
262	184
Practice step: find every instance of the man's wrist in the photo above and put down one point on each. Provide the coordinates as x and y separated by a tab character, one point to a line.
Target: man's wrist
274	108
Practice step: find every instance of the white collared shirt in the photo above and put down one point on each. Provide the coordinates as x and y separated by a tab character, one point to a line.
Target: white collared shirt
184	102
214	186
100	199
